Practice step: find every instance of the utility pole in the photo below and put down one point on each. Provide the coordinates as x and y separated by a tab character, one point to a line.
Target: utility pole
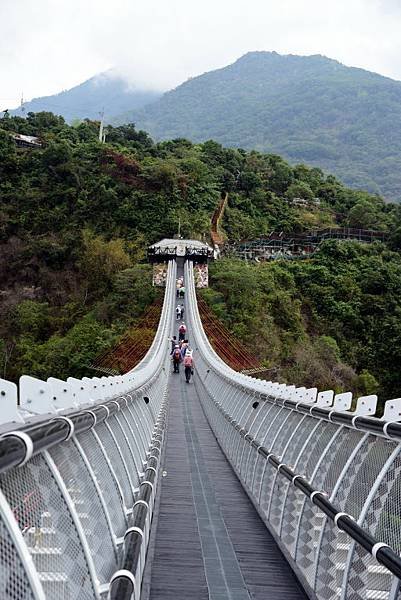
101	126
22	102
179	228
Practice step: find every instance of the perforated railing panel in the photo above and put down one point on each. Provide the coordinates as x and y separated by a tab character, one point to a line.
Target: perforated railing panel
71	473
383	519
115	457
88	506
355	473
48	530
125	448
107	481
340	451
14	584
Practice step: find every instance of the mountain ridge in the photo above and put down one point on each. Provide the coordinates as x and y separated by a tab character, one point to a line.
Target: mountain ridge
107	90
309	109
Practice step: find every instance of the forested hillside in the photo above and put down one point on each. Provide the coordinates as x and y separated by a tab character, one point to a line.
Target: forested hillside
307	109
333	322
77	217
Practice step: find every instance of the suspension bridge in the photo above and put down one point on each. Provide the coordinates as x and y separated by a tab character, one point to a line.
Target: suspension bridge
140	486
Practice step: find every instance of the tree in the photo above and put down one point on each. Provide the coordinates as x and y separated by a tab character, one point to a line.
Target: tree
367	383
281	176
299	189
133	290
249	181
102	260
32	318
364	215
6	350
313	177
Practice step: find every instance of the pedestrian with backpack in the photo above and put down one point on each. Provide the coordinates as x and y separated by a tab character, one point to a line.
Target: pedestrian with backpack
188	365
184	348
182	331
177	359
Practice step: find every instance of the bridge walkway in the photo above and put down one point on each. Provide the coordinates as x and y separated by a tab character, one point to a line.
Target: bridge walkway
208	541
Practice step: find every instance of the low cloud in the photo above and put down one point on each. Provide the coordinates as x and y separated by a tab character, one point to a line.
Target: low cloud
50	45
389	6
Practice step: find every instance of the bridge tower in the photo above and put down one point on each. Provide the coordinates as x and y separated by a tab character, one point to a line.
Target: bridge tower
180	250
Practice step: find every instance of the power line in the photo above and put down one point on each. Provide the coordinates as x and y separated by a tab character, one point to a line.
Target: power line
101	127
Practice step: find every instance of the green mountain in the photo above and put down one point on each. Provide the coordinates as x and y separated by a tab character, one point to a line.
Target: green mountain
307	109
105	91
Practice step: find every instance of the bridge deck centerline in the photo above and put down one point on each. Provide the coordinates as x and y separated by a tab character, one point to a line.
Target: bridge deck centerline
231	555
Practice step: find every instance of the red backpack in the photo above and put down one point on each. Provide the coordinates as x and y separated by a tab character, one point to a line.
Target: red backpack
182	329
188	360
177	354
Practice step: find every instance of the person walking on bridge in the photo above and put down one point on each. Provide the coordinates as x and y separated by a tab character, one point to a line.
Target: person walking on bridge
178	312
182	331
184	347
188	365
173	342
177	359
182	311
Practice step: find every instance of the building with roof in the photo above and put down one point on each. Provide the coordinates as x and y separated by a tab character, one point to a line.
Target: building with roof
174	248
26	141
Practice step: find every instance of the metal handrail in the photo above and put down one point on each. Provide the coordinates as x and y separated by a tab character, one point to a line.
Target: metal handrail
370	424
131	409
382	552
265	391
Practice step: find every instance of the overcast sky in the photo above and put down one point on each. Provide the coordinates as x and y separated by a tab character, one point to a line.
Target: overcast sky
50	45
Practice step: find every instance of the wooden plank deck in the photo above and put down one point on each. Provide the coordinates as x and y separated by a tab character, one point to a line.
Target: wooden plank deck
208	542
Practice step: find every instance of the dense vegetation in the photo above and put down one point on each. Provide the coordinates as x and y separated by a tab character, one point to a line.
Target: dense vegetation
106	91
77	217
333	322
313	109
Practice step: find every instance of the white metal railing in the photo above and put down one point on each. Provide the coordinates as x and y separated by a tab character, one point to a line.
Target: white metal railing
79	464
326	480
